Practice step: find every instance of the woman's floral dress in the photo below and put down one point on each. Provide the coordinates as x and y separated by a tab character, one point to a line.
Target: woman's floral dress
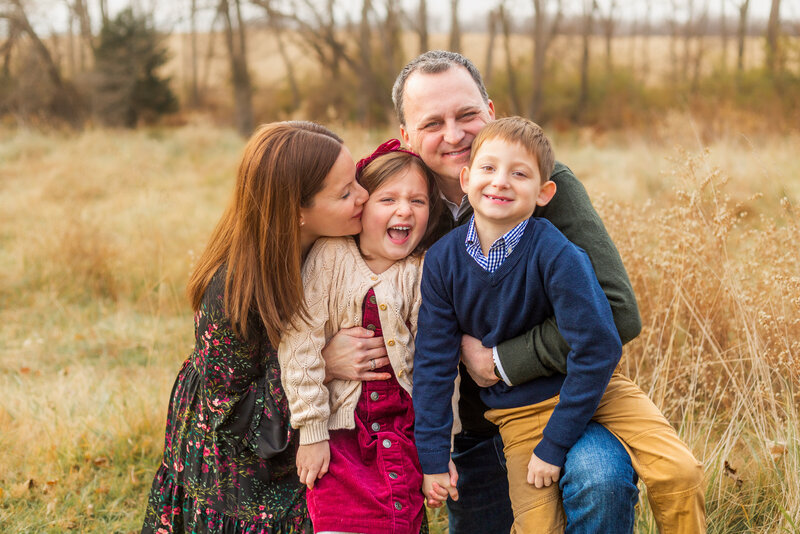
222	471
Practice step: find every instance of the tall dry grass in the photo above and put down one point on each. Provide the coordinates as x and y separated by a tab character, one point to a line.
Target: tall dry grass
97	235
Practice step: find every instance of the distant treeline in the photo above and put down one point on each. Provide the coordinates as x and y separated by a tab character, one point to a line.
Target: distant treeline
338	65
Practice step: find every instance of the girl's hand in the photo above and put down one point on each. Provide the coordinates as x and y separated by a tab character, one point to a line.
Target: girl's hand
312	462
438	487
353	354
540	473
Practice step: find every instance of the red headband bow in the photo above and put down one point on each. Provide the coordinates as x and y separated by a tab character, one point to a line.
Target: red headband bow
392	145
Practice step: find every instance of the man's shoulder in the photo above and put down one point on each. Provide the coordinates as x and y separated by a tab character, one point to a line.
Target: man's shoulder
565	178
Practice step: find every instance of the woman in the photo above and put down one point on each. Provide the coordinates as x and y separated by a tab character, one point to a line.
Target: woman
229	464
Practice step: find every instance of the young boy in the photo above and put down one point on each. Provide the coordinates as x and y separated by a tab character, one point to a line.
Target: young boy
493	279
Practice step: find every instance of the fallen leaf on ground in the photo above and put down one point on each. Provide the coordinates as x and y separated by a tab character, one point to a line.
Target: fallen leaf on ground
731	473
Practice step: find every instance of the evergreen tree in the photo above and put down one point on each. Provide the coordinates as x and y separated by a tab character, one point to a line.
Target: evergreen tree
127	87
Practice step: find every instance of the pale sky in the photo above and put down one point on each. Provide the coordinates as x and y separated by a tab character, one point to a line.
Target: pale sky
49	15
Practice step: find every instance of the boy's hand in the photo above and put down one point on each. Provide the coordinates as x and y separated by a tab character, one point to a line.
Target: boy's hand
312	462
438	487
478	360
540	473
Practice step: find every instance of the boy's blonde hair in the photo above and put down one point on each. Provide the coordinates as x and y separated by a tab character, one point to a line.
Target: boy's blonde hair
524	132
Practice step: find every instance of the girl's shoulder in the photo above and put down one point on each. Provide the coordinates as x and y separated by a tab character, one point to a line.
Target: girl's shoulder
327	249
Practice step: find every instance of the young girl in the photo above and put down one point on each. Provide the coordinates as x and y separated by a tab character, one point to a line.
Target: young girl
361	433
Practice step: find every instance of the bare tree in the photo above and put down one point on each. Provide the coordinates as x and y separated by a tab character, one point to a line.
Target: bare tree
194	88
236	43
741	34
511	71
609	24
542	38
589	9
64	102
422	26
723	30
103	5
390	37
773	28
488	64
455	28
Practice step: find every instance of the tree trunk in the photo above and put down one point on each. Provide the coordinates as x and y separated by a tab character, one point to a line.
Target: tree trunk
773	30
488	64
646	42
589	8
688	33
194	89
103	11
742	34
423	26
608	31
392	43
542	37
366	76
291	77
455	28
723	30
513	94
237	53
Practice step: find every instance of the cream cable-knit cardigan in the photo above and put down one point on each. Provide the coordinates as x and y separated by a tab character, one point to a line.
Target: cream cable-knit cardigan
336	280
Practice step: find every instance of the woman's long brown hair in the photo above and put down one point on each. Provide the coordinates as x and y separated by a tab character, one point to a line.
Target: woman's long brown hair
258	237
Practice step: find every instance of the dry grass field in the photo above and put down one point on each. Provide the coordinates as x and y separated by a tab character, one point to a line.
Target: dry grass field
98	231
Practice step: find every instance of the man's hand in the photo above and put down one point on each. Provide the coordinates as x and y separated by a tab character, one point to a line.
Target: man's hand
479	361
540	473
312	462
438	487
353	354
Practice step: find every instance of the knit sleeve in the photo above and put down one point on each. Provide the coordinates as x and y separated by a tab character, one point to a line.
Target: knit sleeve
543	350
300	351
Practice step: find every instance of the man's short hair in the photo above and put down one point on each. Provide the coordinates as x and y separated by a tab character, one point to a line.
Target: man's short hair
433	62
524	132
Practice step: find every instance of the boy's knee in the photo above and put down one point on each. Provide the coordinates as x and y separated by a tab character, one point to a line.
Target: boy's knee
688	476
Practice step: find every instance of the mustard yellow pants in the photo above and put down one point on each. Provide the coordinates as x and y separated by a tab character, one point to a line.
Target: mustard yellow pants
674	478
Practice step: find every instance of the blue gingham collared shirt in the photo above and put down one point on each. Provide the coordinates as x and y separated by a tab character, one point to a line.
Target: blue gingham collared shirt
500	249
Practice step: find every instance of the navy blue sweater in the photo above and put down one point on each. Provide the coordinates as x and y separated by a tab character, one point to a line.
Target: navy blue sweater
544	276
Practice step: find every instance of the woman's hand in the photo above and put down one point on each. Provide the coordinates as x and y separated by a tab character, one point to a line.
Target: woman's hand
312	462
478	361
354	354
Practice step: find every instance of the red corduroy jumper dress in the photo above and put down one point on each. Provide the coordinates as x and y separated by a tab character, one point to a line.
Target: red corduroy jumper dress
374	482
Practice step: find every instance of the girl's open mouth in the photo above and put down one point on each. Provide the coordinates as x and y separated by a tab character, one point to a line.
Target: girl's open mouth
399	234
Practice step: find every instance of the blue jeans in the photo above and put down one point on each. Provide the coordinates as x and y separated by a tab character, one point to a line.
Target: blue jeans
598	485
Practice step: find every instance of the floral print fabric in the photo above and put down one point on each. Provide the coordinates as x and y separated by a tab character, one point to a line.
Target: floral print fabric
228	464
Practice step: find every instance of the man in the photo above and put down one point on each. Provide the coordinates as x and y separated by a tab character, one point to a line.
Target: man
441	103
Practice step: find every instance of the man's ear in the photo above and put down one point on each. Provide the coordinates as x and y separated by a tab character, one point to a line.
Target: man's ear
463	179
404	135
491	109
546	193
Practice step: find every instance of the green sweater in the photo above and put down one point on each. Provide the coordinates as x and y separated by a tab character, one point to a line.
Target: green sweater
542	351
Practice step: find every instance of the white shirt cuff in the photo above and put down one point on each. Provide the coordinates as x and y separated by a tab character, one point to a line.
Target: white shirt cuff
496	358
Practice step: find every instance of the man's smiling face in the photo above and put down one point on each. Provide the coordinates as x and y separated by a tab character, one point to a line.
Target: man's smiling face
443	112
